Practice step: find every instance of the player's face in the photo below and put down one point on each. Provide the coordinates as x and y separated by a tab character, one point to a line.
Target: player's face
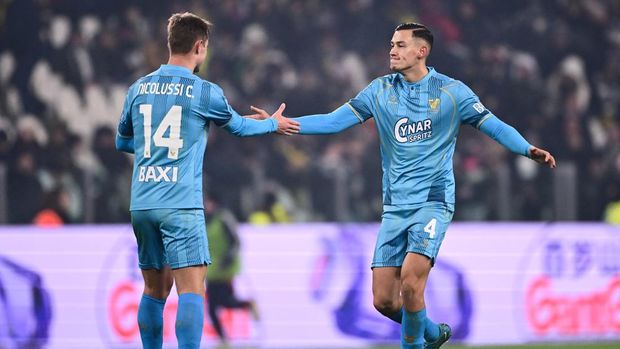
200	53
406	51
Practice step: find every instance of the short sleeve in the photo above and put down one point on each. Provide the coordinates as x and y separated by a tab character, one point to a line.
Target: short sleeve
362	104
470	109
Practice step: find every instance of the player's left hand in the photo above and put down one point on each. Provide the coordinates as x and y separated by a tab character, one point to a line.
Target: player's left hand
542	156
259	114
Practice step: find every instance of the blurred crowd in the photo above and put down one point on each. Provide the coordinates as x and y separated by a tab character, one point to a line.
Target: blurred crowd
547	67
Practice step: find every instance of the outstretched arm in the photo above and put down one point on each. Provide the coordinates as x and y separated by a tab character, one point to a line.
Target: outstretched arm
356	111
319	124
244	126
334	122
510	138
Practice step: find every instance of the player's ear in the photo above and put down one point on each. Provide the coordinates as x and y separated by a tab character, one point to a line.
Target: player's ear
423	51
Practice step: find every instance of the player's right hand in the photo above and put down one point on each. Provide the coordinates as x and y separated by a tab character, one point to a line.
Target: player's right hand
542	156
286	126
259	114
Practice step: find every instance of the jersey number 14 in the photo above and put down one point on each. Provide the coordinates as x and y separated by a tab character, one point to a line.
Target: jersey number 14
171	121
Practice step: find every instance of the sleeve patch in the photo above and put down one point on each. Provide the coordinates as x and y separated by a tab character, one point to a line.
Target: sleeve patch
479	107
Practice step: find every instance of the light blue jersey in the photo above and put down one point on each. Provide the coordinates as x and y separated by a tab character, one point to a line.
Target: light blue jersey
418	124
168	114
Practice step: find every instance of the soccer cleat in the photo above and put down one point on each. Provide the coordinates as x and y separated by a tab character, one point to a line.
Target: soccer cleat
445	332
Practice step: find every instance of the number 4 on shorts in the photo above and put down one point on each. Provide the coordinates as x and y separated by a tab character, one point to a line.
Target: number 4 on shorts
430	228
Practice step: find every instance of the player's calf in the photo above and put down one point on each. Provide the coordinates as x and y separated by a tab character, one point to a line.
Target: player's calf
151	321
190	319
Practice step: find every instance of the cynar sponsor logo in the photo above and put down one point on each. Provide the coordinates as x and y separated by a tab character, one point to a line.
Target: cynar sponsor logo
408	132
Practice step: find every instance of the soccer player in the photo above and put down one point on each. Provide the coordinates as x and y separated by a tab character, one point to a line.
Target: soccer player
165	121
418	112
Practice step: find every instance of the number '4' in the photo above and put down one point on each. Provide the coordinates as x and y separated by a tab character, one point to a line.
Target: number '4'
171	121
430	228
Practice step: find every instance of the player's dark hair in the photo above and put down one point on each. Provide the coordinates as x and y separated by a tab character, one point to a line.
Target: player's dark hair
184	29
418	31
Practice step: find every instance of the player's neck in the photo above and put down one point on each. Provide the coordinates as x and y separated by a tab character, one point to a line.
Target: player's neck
182	61
415	73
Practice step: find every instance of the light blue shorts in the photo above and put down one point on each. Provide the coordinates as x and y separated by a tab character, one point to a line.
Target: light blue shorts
174	237
411	228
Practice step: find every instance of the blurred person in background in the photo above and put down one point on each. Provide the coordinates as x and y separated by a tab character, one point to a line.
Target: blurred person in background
418	112
23	23
224	247
111	178
165	122
55	208
270	212
24	190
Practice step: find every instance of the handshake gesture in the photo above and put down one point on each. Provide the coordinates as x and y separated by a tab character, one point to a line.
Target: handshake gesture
286	126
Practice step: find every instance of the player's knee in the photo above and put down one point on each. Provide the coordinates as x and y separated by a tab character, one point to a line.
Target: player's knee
386	305
157	292
412	288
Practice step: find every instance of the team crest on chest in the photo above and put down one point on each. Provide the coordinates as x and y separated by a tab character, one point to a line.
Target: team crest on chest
433	103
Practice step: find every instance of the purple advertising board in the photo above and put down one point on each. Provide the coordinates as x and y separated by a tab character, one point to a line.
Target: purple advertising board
79	286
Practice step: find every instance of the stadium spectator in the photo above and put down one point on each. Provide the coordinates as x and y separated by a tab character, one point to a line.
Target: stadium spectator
548	67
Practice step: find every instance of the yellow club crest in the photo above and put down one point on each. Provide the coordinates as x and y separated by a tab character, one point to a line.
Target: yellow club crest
434	103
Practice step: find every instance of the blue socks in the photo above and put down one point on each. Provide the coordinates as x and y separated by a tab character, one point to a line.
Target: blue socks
190	319
151	322
412	329
431	329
